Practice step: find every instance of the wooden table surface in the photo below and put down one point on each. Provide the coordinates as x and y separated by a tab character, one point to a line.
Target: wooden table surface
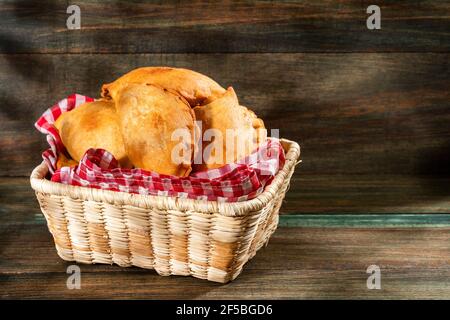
309	256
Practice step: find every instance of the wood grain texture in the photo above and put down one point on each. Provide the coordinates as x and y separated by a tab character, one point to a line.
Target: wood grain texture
223	26
297	263
351	113
320	193
364	220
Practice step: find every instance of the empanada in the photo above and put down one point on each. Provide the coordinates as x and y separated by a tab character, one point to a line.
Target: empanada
238	132
195	87
157	127
63	161
92	125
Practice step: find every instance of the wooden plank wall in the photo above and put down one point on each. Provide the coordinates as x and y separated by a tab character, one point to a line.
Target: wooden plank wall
369	108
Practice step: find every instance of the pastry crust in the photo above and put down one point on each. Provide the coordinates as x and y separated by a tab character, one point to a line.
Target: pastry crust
245	130
149	117
63	161
195	87
92	125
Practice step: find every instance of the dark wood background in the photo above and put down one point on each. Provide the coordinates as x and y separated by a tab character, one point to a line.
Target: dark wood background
369	108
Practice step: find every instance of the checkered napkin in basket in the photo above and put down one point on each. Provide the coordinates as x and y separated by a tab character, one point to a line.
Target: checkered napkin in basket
99	169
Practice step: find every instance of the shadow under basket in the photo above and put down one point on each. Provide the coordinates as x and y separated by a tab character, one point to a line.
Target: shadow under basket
205	239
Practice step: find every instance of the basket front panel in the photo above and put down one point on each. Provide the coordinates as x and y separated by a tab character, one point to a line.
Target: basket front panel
179	228
78	229
138	225
97	233
207	246
53	210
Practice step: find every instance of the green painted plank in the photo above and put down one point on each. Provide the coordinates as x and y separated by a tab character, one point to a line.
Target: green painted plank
387	220
366	220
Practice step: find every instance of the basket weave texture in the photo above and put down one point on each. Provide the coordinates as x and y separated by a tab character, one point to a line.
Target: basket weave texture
205	239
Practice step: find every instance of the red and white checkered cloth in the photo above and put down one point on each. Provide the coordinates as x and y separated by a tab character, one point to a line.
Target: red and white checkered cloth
99	169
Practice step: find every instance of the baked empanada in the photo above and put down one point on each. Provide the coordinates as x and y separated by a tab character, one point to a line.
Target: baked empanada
63	161
195	87
157	128
92	125
238	132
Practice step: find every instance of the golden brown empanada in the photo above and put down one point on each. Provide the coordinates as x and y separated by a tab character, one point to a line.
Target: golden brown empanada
150	120
245	131
195	87
92	125
63	161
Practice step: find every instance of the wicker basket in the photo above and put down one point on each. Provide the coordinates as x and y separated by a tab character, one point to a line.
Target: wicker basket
204	239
